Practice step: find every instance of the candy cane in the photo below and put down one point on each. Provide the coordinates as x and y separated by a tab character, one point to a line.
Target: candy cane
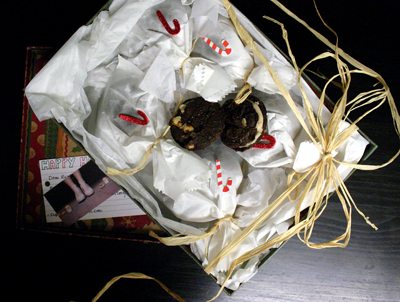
219	177
223	52
262	145
228	184
131	119
172	31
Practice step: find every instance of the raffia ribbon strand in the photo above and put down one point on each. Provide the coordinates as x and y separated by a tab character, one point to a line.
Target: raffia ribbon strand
143	161
243	93
366	70
136	276
188	239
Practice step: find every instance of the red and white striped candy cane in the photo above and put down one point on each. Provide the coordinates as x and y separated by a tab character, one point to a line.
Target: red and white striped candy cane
228	184
223	52
219	177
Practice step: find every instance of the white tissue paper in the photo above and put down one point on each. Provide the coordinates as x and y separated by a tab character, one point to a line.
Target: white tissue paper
127	62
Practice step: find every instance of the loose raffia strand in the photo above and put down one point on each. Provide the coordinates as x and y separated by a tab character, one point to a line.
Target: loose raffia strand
136	276
354	62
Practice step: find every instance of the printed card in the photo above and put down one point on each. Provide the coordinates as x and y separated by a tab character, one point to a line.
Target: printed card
75	188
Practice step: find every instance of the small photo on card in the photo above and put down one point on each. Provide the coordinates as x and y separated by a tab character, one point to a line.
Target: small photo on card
75	188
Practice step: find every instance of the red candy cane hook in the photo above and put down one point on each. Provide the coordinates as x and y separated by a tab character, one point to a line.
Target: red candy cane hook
172	31
219	177
223	52
131	119
263	145
228	184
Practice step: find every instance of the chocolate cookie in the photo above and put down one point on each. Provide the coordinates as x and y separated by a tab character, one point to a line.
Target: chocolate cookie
197	124
244	123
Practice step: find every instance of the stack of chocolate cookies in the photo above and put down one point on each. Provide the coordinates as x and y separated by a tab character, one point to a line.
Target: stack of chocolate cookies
198	123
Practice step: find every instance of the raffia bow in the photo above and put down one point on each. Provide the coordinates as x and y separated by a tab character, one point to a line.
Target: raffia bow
323	176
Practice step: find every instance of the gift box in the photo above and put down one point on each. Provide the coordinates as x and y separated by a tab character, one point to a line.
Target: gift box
119	83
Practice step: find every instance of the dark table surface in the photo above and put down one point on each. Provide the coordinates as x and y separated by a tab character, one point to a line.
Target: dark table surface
57	268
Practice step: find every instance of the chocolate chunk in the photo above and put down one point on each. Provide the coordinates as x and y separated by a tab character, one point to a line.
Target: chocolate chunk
197	124
244	123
